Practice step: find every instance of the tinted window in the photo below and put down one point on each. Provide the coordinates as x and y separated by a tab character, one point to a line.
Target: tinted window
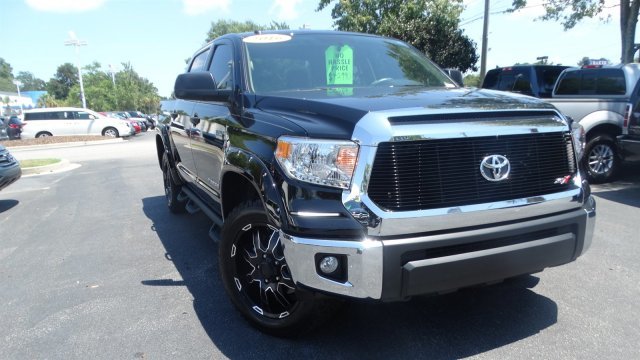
221	67
592	81
199	62
547	79
505	80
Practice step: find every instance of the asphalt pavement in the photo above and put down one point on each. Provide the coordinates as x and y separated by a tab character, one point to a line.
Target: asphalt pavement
93	265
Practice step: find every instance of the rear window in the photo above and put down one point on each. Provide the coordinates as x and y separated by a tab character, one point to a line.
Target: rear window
505	79
592	82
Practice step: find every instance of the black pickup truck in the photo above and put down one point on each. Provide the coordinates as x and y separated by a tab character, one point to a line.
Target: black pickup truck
348	166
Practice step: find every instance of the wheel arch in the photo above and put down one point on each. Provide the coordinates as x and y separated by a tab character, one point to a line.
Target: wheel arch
247	178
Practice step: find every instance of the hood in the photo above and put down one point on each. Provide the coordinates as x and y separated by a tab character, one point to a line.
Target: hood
332	114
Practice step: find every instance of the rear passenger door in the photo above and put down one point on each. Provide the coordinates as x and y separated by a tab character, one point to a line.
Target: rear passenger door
211	120
182	127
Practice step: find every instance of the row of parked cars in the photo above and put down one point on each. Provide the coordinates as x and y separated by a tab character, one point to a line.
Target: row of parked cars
74	121
605	100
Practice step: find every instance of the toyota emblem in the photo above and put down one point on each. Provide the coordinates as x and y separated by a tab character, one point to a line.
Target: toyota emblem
495	168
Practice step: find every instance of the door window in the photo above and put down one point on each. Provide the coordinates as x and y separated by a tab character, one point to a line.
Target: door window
221	67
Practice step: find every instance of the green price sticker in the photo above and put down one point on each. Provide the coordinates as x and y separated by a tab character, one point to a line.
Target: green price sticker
339	65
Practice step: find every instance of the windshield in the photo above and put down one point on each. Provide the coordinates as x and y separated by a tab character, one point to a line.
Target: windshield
280	62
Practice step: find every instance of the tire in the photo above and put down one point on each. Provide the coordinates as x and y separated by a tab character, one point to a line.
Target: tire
257	279
110	132
43	134
601	159
171	188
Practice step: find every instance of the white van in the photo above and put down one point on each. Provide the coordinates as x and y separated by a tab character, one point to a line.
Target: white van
65	121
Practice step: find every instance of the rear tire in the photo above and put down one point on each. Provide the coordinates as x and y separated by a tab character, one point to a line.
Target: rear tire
43	134
256	276
171	188
601	159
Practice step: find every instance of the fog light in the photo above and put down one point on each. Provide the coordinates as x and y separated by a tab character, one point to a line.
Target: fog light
329	264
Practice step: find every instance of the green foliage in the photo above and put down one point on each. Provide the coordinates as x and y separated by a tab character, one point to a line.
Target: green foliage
223	26
47	100
472	80
65	77
6	77
571	12
30	82
429	25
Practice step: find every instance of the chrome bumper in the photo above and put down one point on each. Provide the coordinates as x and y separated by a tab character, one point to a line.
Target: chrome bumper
375	269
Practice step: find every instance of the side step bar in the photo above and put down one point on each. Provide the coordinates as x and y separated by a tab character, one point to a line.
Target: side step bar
195	204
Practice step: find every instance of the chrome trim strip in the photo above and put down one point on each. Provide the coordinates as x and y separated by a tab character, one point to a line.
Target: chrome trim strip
314	214
364	258
375	128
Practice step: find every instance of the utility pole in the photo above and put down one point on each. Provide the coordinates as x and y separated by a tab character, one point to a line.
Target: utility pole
73	41
485	40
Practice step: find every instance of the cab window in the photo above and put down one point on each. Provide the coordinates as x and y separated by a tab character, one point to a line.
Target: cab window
199	62
221	67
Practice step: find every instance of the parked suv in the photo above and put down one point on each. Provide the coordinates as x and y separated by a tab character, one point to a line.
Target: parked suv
532	80
596	97
72	121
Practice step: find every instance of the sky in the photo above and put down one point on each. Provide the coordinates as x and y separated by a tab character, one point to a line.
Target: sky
156	36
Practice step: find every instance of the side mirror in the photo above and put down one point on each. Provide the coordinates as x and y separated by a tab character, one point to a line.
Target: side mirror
199	86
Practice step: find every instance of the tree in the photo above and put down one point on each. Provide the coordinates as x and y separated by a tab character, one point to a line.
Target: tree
222	27
66	76
429	25
47	100
6	77
571	12
472	80
30	82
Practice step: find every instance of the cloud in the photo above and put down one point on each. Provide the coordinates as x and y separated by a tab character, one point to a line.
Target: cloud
64	6
284	9
197	7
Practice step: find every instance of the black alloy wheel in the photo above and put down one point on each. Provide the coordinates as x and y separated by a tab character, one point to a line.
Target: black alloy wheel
257	278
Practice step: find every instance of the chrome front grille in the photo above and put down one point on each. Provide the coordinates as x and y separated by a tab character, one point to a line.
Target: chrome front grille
444	173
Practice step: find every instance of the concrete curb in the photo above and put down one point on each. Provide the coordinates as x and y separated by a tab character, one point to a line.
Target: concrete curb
63	145
46	168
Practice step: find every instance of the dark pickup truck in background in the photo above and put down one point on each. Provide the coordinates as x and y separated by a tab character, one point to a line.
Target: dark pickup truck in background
348	166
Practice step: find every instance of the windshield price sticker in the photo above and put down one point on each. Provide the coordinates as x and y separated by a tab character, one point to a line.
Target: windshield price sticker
266	38
339	65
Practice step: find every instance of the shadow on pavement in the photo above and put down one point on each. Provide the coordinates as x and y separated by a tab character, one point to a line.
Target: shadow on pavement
455	325
7	204
625	189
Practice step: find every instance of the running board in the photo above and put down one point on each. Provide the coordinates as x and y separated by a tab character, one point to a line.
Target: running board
196	203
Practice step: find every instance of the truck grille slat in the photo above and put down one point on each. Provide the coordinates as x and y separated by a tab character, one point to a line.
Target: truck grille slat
428	174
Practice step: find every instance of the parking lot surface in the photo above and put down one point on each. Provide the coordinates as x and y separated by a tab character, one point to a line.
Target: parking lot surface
93	265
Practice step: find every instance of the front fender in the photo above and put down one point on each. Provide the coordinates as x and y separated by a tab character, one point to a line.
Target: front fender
250	168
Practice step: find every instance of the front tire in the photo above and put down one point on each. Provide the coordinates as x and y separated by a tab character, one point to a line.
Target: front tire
601	159
256	276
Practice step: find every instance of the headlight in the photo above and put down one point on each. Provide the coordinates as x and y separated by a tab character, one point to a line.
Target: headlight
578	136
324	162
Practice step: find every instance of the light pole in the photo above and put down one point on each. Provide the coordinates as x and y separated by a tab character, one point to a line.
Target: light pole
18	84
113	79
73	41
